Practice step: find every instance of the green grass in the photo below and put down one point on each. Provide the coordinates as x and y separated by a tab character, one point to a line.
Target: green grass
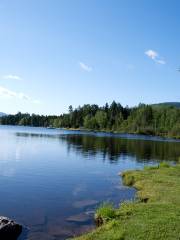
155	215
105	213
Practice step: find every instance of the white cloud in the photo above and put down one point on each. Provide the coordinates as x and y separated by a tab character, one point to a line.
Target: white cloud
24	96
155	56
85	67
4	92
36	101
161	61
152	54
12	77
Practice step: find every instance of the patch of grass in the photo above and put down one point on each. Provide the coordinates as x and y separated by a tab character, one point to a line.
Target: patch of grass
105	213
157	219
128	179
151	167
164	164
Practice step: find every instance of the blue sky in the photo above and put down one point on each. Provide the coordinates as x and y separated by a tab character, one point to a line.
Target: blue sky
54	53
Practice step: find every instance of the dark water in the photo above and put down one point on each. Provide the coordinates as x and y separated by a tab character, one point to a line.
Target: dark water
52	180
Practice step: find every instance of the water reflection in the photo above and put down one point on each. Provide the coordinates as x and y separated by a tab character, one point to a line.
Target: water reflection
53	180
113	148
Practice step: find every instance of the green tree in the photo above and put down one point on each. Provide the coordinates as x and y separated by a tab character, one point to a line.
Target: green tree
101	119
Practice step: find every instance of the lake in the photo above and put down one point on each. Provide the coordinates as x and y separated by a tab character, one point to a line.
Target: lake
53	180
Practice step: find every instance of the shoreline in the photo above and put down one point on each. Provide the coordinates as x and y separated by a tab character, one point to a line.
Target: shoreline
163	137
154	215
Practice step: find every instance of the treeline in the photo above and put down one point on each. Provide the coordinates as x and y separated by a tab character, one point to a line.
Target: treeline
144	119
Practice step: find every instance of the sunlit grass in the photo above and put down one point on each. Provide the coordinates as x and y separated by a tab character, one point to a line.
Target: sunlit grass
105	213
155	215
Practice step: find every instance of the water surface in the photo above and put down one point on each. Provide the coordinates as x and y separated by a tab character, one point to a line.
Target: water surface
53	180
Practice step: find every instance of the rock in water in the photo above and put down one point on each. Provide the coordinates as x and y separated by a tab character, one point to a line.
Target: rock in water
9	229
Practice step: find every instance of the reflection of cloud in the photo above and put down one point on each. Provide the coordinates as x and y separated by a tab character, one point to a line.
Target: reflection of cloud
79	188
18	153
9	172
85	203
97	172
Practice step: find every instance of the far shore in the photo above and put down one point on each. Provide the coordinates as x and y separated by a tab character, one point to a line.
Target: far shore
119	132
163	137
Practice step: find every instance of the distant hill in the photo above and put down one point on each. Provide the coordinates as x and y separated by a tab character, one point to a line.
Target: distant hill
166	104
2	114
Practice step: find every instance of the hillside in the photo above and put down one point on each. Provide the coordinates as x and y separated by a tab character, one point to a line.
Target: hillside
2	114
174	104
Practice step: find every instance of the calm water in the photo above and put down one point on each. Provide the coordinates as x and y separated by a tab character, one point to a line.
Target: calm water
52	180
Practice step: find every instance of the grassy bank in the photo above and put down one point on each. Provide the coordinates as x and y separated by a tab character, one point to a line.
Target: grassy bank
154	215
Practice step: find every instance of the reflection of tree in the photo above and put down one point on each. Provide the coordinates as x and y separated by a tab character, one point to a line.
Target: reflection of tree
112	147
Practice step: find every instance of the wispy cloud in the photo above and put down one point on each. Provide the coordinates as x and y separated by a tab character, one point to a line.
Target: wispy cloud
130	67
36	101
4	92
12	77
155	56
160	61
85	67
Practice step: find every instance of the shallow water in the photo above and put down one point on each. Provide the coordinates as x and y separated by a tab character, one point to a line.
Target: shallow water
53	180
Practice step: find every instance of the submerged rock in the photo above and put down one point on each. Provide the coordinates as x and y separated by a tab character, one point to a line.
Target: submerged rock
78	218
85	203
9	229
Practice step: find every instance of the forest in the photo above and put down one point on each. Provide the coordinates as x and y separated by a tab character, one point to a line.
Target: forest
158	120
